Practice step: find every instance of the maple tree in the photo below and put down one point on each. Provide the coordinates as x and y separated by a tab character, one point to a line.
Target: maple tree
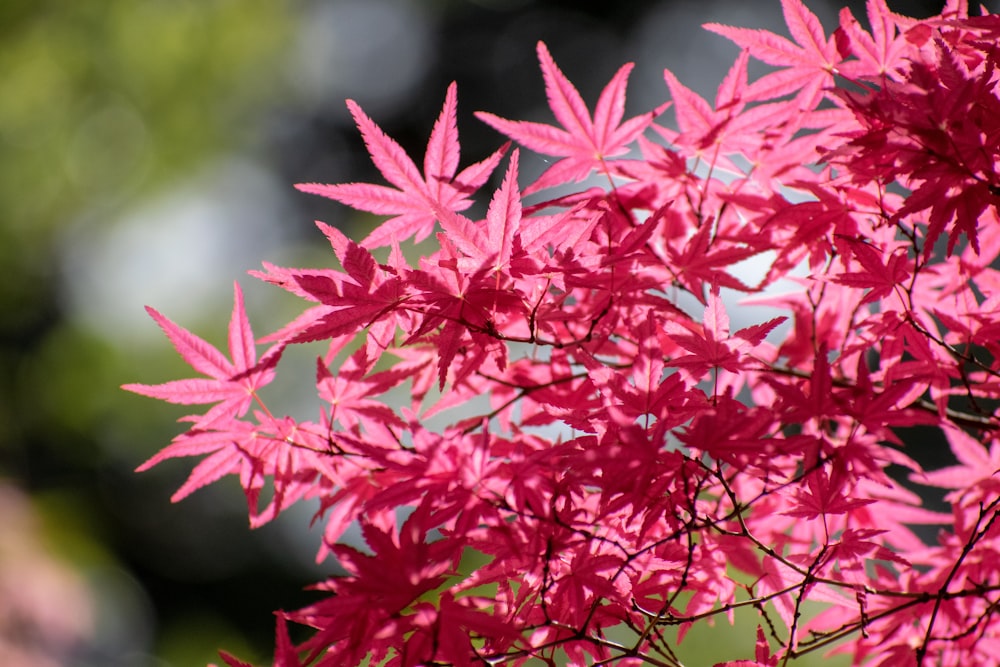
618	463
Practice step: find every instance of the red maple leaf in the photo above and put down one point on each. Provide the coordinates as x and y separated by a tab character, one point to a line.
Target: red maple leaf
232	445
823	496
710	344
880	279
462	305
374	598
350	392
352	300
730	127
937	134
703	259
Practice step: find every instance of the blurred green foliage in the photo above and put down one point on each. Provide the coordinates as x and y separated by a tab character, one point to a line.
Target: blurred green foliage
103	101
103	104
101	98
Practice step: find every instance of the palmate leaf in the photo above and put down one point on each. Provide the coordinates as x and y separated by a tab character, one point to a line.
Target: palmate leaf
361	296
583	142
350	393
727	129
229	442
822	496
416	198
880	278
232	385
807	65
710	344
879	53
492	250
704	260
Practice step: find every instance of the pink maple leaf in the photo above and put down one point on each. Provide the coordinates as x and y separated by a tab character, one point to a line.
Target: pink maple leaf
350	392
879	278
493	250
583	142
879	53
231	385
415	199
710	344
824	496
975	464
363	297
807	65
728	127
703	259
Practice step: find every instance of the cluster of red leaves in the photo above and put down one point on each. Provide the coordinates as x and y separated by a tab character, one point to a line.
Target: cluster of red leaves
617	462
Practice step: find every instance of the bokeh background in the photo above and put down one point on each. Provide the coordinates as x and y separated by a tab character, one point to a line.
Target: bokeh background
147	154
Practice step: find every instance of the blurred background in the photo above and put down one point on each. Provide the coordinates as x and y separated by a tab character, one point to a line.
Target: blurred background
148	150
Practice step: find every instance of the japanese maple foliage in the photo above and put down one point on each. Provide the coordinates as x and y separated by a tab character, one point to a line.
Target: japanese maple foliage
619	460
